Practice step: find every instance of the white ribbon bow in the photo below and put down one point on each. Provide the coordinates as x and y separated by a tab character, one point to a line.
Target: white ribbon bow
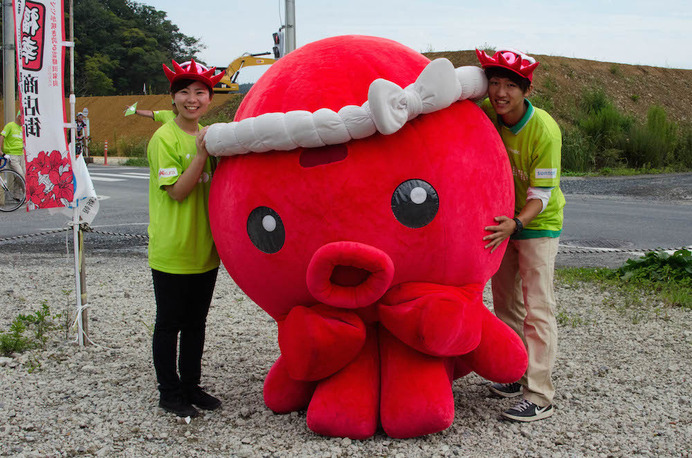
387	110
436	88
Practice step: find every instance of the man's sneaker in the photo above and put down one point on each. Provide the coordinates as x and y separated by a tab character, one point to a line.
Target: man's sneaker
203	400
528	411
178	405
506	390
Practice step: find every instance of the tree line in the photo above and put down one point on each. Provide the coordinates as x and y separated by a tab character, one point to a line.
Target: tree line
120	46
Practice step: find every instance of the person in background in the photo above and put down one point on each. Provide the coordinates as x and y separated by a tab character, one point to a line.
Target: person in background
523	285
162	116
80	134
182	254
12	145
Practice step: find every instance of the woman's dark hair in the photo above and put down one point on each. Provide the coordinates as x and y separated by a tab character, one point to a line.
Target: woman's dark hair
501	72
182	84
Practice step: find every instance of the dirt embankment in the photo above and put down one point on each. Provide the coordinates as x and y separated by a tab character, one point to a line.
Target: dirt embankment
632	88
108	123
558	85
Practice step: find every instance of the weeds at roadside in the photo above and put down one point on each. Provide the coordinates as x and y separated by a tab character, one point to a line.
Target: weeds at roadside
37	325
565	319
137	162
150	327
603	138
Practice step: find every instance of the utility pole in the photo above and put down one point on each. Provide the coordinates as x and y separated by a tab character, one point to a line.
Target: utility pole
290	26
9	59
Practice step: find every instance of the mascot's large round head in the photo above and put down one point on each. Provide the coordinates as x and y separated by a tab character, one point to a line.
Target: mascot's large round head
342	224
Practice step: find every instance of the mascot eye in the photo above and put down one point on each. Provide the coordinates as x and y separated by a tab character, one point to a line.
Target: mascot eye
415	203
266	230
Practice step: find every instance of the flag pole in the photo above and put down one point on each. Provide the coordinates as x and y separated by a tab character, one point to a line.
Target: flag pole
9	76
78	239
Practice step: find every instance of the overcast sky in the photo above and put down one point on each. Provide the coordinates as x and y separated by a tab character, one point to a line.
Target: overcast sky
656	33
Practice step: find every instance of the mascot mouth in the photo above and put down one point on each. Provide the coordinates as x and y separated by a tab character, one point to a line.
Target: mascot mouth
349	274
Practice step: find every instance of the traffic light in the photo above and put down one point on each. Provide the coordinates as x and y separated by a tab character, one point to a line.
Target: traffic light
278	44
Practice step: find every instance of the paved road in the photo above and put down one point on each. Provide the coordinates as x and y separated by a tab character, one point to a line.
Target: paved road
610	214
123	201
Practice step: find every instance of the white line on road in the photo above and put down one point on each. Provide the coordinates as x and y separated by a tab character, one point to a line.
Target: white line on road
99	178
141	176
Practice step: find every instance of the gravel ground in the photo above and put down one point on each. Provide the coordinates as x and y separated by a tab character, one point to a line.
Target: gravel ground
622	380
622	374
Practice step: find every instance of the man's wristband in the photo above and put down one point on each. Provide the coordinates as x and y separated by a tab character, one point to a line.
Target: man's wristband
519	226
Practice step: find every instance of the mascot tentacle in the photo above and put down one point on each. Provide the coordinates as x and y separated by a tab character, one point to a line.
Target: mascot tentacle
318	341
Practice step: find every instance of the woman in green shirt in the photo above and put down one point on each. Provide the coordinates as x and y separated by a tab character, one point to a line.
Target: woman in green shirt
182	254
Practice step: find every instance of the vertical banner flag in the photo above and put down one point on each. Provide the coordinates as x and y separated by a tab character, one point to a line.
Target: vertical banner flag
39	32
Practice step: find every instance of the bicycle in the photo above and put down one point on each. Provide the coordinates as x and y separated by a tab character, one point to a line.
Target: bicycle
12	188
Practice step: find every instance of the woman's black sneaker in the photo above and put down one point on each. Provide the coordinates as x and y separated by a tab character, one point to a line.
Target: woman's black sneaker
178	405
203	400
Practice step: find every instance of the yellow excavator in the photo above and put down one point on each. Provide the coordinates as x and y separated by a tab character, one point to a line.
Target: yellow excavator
228	82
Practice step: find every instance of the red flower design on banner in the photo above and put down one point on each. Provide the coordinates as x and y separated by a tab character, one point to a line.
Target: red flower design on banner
48	162
35	191
41	163
62	185
56	160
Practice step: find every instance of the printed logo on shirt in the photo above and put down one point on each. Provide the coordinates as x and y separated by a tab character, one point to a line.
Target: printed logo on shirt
546	173
523	176
167	173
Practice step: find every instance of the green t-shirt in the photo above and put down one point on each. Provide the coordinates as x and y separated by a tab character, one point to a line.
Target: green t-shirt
180	240
163	116
534	147
13	143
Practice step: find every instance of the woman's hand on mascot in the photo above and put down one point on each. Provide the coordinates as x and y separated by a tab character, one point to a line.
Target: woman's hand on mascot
318	341
201	143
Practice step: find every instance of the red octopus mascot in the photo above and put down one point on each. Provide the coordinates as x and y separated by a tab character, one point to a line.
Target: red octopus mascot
350	206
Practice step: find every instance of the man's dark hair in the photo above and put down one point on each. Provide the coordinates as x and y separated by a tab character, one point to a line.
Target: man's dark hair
501	72
182	84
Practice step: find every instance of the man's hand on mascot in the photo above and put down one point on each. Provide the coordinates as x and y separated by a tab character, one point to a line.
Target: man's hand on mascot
435	319
502	231
318	341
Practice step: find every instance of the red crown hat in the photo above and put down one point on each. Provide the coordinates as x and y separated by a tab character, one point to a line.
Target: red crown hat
511	59
192	71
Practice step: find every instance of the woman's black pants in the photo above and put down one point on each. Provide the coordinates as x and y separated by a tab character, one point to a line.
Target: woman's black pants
182	304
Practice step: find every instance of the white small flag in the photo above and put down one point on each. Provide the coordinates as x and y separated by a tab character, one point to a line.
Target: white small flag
85	194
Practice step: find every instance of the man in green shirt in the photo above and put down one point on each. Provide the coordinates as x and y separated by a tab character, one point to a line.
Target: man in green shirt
12	145
523	285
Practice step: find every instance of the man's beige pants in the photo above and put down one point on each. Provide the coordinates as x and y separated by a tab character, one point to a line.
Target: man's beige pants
523	298
16	163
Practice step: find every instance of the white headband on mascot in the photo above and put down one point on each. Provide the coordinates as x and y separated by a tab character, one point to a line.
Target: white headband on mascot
388	108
